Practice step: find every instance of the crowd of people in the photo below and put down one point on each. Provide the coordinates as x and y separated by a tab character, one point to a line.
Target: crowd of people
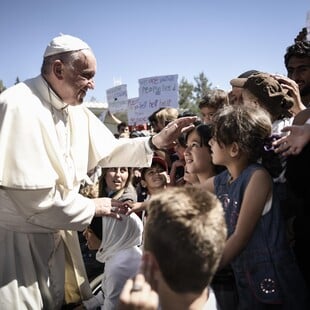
208	211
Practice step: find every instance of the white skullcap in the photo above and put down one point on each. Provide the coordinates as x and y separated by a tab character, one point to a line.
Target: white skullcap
65	43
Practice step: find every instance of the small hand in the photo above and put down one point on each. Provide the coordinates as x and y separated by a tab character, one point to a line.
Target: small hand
134	207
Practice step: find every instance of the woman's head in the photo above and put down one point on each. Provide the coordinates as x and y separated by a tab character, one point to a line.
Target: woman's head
119	235
114	179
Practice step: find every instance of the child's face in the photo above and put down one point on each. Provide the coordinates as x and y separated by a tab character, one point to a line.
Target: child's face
219	153
156	176
207	114
197	156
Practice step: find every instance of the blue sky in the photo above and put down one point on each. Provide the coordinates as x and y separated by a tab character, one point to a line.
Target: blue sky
133	39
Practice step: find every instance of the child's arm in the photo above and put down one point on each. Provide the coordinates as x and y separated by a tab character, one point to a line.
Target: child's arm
256	195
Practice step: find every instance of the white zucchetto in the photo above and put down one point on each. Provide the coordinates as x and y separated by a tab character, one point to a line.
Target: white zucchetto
65	43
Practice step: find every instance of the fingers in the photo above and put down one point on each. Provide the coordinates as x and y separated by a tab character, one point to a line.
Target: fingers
137	294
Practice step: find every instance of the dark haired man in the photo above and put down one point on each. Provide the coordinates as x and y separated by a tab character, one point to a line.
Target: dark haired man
297	63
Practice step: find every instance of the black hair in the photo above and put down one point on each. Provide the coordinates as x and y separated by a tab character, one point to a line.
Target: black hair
299	49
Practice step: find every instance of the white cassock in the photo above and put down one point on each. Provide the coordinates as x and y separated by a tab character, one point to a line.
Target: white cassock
46	149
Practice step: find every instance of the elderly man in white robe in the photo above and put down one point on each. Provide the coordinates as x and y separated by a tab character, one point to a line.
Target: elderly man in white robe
48	143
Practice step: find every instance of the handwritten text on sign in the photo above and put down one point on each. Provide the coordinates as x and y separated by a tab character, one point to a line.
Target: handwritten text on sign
117	98
154	93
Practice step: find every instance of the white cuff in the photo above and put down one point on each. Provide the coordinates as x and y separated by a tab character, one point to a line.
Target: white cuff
147	147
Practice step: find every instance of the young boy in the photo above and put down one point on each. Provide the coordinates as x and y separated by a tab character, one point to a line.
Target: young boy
184	236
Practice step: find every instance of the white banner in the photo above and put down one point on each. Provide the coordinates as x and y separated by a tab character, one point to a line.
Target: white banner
117	98
154	93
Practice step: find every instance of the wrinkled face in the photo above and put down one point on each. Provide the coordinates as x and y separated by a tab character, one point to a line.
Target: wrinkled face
207	114
197	156
78	80
116	178
298	69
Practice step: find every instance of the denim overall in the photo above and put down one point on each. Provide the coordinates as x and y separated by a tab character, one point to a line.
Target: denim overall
265	271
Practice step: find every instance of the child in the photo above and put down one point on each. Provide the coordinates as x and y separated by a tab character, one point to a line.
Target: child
263	263
154	179
199	162
215	99
185	234
198	153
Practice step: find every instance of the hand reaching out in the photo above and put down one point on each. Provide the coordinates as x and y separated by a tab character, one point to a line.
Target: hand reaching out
293	143
110	207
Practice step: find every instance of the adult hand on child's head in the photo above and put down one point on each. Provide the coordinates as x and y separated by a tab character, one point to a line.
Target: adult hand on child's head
166	138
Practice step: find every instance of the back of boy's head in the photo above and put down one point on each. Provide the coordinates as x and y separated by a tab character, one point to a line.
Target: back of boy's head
186	232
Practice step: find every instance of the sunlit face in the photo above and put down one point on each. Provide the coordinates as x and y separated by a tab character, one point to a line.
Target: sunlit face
298	69
155	177
197	156
78	80
207	114
116	178
218	152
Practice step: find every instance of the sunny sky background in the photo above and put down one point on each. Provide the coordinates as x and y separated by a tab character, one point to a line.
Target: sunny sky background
133	39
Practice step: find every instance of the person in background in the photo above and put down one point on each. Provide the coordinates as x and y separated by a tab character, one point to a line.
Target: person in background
115	183
194	238
199	162
265	268
119	250
49	141
297	63
177	167
122	130
162	117
154	179
266	91
211	102
296	147
235	95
